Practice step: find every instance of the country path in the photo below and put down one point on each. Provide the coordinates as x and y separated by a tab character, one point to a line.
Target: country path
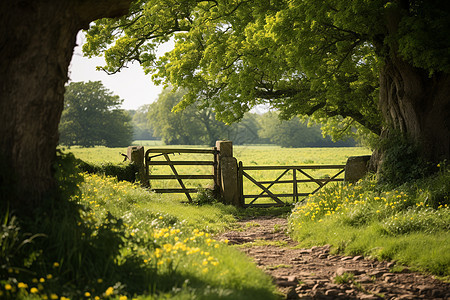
312	273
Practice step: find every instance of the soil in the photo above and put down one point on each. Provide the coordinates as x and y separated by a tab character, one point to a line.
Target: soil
316	274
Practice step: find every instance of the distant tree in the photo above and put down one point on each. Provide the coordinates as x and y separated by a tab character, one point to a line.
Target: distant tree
246	130
91	116
294	133
141	127
192	126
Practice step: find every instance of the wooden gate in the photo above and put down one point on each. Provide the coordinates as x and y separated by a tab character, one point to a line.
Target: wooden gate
296	172
153	153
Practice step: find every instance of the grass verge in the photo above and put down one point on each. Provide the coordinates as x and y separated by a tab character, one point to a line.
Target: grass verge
409	224
127	243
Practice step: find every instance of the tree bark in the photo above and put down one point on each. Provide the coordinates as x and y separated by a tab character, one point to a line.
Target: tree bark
412	101
418	106
36	47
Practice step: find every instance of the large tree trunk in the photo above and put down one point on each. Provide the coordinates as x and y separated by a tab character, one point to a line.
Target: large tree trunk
37	41
417	105
412	101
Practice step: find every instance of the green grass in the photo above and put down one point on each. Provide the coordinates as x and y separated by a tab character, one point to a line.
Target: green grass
250	155
344	278
409	224
148	143
124	241
262	243
159	249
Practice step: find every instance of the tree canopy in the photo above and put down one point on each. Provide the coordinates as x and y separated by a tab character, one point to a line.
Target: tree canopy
195	125
295	133
373	64
198	126
141	127
91	116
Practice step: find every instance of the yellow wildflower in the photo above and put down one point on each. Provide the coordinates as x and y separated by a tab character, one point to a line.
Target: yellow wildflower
109	291
22	285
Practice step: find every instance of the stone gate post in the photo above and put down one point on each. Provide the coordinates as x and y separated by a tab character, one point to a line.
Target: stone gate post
356	168
228	173
136	156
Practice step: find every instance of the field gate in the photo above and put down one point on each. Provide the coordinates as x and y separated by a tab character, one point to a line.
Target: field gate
266	185
152	153
228	175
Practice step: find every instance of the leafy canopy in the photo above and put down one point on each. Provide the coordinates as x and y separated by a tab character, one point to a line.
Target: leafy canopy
294	133
319	58
195	125
91	116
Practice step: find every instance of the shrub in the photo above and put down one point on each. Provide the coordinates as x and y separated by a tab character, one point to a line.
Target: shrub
206	196
122	172
401	161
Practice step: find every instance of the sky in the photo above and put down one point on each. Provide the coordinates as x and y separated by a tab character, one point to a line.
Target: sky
130	84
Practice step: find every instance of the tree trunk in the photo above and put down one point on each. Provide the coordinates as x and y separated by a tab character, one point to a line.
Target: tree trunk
418	106
37	41
413	101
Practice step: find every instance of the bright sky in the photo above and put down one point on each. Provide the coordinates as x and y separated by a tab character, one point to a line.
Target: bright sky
131	84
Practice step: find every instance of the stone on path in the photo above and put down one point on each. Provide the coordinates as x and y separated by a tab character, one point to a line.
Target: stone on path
310	273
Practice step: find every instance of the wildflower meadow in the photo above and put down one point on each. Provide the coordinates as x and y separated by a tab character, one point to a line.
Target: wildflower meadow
128	243
115	240
409	224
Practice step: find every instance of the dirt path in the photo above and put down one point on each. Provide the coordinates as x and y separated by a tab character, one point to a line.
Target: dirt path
311	273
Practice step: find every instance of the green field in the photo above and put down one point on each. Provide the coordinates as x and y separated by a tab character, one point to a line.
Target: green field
251	155
115	240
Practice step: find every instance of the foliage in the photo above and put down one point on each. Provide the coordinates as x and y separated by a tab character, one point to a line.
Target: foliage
141	127
123	171
192	126
91	117
196	125
402	162
128	242
55	247
345	278
233	56
293	133
323	59
373	220
206	196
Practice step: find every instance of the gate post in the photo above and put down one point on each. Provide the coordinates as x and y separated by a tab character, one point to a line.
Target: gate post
228	173
356	168
136	156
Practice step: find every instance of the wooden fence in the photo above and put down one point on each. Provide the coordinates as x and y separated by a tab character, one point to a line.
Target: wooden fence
228	175
266	185
165	152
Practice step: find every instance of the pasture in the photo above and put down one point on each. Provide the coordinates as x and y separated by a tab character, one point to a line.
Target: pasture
367	218
250	155
129	243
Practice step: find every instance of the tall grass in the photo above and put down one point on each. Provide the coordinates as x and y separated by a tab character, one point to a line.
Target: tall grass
122	241
409	224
